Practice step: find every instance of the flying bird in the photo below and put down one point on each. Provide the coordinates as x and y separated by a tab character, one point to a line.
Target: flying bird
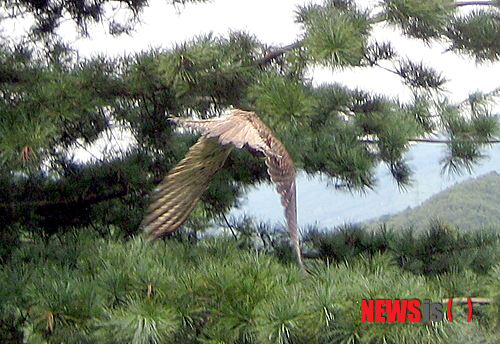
177	195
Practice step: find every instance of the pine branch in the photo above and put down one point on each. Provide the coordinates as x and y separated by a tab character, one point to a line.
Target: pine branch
446	141
478	3
277	52
423	140
83	199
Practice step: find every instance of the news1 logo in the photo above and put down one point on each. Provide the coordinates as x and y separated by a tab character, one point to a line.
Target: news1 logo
399	310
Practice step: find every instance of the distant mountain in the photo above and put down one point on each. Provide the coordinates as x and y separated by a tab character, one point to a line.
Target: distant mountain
472	204
327	207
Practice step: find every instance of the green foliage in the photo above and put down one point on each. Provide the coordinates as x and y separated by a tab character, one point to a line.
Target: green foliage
467	133
283	100
476	34
419	19
141	321
82	288
442	249
10	328
357	130
210	70
136	292
166	292
420	76
9	240
375	278
436	251
347	242
336	33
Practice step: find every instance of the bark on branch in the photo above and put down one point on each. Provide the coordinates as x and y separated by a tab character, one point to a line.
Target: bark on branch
85	198
277	52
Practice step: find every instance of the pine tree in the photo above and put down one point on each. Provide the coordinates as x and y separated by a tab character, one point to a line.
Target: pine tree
52	105
53	102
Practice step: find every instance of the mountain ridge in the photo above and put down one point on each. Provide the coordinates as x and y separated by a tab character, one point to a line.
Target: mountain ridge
469	205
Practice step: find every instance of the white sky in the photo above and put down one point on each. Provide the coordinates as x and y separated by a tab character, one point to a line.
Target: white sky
164	24
272	22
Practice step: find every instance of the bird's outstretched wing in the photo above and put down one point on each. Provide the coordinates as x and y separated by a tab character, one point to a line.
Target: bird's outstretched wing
177	195
238	127
185	183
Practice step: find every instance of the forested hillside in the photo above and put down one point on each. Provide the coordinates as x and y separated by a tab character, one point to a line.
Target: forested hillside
470	205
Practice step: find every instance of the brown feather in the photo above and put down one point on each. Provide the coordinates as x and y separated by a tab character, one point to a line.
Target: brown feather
181	189
177	195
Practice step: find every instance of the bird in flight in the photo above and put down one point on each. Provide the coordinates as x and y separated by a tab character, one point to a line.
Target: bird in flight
177	195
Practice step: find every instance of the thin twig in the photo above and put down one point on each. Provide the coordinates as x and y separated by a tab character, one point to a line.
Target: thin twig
387	69
230	227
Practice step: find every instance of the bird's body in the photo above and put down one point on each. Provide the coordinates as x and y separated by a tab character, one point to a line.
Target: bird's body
177	195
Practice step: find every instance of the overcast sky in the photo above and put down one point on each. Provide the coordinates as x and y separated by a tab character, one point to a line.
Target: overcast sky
272	22
163	24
